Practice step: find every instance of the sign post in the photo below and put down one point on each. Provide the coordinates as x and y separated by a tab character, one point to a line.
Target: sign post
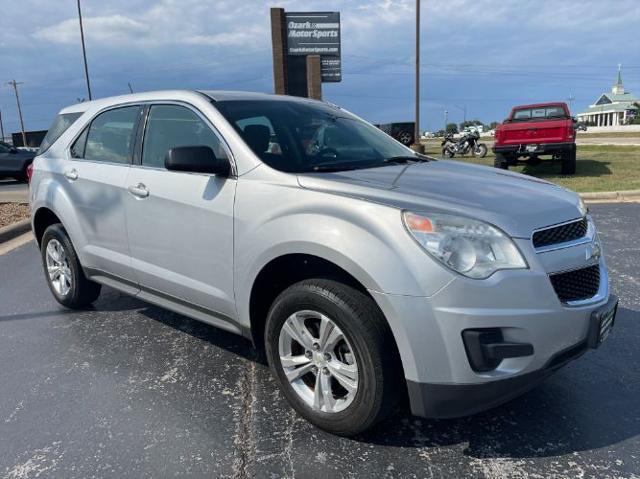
306	51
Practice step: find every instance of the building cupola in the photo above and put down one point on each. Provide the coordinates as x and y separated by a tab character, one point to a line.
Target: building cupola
618	88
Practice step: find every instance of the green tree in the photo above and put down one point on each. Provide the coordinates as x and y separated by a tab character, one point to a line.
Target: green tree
452	128
467	123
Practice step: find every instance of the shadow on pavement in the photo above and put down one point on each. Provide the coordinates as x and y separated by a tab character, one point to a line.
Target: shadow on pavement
589	404
585	168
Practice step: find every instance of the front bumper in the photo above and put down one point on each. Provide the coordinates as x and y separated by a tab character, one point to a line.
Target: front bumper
521	303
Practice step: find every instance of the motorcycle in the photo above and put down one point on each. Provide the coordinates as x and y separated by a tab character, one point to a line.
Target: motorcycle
468	143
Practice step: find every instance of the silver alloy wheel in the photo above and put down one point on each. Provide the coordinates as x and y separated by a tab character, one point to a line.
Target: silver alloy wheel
318	361
58	268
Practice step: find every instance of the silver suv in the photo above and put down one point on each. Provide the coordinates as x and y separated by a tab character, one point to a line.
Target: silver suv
365	271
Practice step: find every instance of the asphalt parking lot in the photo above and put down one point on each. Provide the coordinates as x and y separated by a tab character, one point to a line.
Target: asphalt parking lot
130	390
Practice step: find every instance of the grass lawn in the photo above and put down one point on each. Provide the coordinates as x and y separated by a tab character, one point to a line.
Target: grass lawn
599	168
619	134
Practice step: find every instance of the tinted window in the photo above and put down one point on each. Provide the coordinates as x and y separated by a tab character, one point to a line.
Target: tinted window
110	136
541	113
300	136
59	126
77	149
172	126
4	148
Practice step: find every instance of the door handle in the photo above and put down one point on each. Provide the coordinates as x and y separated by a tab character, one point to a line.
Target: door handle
71	174
139	190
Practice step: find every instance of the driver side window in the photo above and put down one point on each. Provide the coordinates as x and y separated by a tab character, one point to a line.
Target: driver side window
173	126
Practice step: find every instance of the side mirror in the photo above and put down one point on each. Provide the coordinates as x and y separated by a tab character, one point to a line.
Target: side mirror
196	159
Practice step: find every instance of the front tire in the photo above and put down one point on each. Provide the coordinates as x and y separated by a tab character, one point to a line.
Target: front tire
332	354
63	270
480	150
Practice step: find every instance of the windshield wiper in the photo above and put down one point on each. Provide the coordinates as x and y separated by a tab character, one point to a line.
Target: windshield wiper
334	167
405	159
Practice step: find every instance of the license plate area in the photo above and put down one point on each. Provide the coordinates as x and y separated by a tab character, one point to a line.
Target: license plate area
602	321
531	148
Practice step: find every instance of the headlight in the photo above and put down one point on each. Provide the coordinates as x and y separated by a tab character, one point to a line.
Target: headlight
470	247
584	209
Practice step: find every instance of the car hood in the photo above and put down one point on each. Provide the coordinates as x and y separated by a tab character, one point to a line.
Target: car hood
516	203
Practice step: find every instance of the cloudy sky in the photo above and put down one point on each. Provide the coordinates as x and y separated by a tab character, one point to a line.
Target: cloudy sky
485	55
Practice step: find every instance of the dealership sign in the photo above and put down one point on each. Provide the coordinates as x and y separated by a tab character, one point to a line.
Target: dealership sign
316	33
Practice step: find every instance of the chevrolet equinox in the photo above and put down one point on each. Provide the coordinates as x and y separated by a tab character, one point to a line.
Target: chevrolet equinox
365	272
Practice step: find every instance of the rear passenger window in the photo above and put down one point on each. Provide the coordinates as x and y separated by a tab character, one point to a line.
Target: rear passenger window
110	136
522	114
172	126
59	126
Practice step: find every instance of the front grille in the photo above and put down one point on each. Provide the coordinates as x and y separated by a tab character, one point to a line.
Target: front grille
560	234
578	284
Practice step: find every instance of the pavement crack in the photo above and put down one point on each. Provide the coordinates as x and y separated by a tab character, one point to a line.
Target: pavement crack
244	438
289	446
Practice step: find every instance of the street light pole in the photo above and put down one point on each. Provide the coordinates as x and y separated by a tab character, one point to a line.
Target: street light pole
445	120
84	51
463	109
1	128
417	146
15	84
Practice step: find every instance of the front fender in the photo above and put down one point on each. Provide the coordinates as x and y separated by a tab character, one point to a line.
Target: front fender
366	239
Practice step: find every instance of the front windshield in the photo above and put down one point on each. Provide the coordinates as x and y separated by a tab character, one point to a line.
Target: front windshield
301	136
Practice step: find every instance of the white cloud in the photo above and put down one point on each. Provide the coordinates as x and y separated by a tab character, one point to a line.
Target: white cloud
189	22
114	29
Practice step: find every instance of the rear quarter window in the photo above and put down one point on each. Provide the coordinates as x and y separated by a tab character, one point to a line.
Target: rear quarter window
58	127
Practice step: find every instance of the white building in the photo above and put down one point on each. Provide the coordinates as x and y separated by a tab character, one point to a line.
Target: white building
612	109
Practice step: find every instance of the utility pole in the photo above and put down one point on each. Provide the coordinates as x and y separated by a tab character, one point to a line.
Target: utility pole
84	52
130	89
1	128
571	99
15	84
417	146
445	120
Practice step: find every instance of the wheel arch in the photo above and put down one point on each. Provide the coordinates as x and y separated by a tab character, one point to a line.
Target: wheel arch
42	219
281	272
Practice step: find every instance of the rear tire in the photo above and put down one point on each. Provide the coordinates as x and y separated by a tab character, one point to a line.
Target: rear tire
569	163
366	337
501	162
63	270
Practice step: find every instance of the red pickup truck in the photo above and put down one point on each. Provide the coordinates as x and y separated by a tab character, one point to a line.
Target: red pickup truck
535	130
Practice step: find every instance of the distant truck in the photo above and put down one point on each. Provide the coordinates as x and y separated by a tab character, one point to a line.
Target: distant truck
402	131
532	131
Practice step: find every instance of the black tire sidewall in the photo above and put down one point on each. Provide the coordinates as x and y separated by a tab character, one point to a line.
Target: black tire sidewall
76	297
362	412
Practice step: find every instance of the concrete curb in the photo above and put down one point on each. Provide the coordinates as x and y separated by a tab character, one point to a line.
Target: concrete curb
15	229
628	195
